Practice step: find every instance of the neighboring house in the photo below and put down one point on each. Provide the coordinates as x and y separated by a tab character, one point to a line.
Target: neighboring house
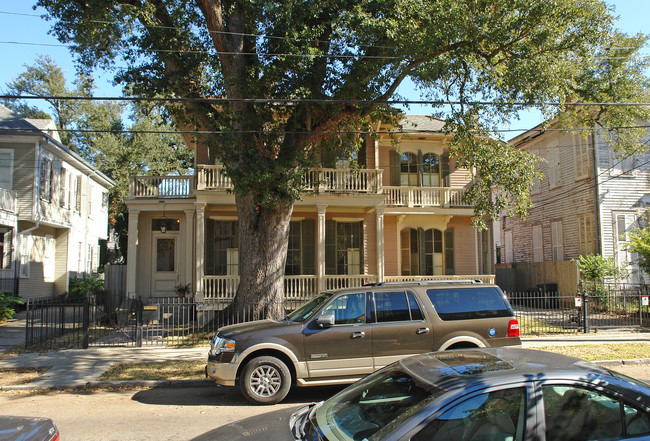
400	217
53	208
586	204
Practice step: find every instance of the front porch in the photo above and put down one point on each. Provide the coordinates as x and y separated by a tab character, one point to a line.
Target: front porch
302	288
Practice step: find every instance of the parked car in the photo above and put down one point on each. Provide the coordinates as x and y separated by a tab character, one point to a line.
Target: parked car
341	336
505	394
27	429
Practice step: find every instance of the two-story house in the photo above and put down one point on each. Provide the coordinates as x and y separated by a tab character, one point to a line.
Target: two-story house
53	208
586	204
400	216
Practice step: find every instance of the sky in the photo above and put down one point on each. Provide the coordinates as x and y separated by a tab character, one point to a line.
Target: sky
24	36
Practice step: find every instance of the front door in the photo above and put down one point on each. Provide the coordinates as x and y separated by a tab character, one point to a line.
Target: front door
165	266
344	349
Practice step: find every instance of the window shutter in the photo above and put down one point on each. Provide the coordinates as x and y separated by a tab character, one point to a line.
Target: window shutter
421	253
362	241
538	248
308	246
78	194
450	268
394	169
330	247
405	239
444	170
420	170
557	241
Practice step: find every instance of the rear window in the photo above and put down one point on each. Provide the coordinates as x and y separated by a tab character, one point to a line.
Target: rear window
469	303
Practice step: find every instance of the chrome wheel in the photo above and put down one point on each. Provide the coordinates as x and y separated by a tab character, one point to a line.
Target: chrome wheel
265	381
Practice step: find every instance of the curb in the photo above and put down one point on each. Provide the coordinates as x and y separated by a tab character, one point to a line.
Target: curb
113	385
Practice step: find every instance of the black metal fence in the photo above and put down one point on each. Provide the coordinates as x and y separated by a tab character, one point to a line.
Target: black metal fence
96	321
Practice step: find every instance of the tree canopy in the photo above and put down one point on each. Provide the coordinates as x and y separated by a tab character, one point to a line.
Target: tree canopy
297	74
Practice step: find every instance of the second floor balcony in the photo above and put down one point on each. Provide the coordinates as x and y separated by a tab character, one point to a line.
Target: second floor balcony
212	178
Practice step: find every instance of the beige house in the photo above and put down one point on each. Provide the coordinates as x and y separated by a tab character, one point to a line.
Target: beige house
400	217
53	209
586	204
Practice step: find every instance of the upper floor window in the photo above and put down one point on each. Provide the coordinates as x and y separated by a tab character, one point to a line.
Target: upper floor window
554	173
409	169
77	193
104	200
64	188
412	170
430	170
46	179
620	166
6	169
581	157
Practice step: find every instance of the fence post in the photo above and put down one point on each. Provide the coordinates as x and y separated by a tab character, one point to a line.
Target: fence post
585	312
27	320
86	322
139	306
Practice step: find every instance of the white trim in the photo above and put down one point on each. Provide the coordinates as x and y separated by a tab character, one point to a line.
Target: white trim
12	153
461	339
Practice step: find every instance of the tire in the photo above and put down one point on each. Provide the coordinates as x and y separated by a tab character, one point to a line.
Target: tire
265	380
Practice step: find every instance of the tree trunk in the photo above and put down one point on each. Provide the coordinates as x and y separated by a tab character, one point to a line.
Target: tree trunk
263	240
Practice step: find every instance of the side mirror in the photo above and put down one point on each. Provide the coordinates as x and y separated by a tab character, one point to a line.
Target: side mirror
325	320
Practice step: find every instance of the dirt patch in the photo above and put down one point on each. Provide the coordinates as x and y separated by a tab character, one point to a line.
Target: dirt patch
16	376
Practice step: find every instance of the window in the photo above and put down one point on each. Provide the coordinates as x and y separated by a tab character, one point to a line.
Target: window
343	247
557	241
301	248
469	303
396	307
6	169
578	414
430	170
6	238
581	157
423	251
165	254
64	188
221	247
509	255
498	415
620	166
77	193
25	255
347	309
104	200
294	257
409	169
49	259
46	179
89	260
586	234
80	254
538	244
554	173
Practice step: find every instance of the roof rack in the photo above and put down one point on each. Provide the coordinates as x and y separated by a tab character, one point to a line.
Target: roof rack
428	282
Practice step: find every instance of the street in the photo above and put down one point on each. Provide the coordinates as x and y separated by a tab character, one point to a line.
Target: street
168	413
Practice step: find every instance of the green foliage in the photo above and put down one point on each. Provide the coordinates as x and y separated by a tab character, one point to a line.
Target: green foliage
596	268
639	242
7	305
80	287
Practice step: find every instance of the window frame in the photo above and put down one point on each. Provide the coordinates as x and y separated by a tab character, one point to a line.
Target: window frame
11	154
557	240
581	158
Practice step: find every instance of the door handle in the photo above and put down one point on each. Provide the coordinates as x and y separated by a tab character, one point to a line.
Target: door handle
422	331
358	334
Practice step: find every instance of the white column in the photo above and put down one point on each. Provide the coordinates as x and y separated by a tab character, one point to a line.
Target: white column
380	243
476	252
131	264
189	251
321	247
200	250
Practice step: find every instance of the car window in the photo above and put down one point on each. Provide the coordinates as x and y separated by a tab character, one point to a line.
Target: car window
306	311
392	307
493	416
578	414
469	303
416	313
347	309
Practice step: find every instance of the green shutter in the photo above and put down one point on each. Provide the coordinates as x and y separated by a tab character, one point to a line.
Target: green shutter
362	248
449	252
421	251
308	247
444	170
420	169
330	247
394	169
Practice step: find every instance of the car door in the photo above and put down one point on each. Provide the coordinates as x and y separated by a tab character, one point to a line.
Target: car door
345	348
400	328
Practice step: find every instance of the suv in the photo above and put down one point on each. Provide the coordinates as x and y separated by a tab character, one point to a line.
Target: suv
341	336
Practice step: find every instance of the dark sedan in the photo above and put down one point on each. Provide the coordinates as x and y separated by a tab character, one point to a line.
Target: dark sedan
14	428
503	394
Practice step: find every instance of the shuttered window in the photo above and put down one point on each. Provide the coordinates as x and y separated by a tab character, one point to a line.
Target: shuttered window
557	241
554	175
538	244
586	234
581	157
343	247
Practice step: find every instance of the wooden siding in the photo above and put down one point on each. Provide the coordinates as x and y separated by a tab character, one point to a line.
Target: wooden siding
23	179
391	264
464	245
61	262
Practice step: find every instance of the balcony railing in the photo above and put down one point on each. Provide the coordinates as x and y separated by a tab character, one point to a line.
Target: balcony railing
7	200
212	177
424	197
306	287
160	187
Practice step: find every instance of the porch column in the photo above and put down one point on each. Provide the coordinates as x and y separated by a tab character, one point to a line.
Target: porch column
200	249
189	255
380	243
321	248
476	251
131	264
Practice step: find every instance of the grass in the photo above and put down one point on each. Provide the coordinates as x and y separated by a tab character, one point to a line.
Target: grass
161	370
16	376
606	351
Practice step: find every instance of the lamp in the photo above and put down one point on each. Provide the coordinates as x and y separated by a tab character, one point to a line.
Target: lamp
163	221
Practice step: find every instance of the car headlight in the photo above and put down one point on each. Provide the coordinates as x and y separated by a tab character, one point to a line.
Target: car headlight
220	345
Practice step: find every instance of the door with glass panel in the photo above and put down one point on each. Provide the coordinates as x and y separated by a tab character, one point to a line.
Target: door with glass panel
165	265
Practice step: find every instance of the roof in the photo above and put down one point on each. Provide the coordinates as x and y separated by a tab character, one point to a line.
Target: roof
421	123
9	121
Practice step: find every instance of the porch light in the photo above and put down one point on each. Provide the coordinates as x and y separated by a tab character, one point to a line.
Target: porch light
163	226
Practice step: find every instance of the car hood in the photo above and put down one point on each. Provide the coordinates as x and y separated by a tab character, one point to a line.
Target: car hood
256	326
271	426
26	428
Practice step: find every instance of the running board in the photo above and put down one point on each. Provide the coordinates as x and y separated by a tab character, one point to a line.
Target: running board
301	382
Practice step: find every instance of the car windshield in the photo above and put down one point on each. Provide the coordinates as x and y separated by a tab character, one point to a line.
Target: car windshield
308	310
374	406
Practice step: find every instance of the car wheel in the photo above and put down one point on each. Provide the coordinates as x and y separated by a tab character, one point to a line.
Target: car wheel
265	380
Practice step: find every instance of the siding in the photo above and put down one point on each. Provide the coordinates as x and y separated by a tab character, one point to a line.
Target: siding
464	245
391	252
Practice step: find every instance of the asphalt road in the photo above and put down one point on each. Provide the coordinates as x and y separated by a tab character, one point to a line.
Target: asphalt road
166	413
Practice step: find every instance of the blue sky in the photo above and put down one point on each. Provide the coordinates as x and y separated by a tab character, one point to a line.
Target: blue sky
32	32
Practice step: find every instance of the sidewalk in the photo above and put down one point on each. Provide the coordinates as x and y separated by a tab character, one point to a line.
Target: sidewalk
82	367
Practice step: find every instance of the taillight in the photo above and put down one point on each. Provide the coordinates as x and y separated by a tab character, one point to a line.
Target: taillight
513	329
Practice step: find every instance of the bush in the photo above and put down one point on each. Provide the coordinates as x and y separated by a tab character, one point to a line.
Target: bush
7	303
81	287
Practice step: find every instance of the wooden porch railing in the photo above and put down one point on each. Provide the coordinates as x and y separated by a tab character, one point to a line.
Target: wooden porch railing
424	197
7	200
485	278
160	187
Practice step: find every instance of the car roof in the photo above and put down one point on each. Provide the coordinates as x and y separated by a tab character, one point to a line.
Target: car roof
493	366
438	284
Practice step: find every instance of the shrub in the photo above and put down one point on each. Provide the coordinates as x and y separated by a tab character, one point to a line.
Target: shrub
7	303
